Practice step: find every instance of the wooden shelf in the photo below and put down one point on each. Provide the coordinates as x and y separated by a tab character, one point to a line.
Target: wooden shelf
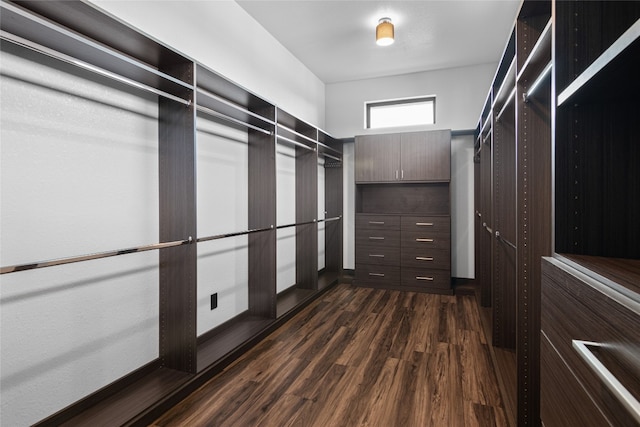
613	75
290	298
539	56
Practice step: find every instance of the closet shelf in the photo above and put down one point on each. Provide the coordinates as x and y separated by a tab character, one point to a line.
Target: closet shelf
212	102
25	28
505	92
539	56
613	75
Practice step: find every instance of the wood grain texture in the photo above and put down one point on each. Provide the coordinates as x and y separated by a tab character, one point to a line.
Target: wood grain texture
377	158
359	357
425	156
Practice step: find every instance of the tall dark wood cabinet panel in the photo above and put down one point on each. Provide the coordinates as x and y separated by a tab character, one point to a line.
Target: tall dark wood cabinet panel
590	294
403	226
514	204
80	34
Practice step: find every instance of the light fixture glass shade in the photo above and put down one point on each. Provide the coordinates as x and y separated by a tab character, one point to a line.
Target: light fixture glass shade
384	32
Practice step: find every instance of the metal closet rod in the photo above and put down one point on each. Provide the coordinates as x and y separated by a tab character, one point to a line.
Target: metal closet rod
234	106
70	260
332	157
288	129
239	233
86	66
510	99
214	113
537	82
328	148
294	142
505	241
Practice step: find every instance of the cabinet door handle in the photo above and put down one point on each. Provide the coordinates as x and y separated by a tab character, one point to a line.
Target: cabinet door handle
612	383
376	256
396	174
424	258
424	240
429	279
402	174
376	274
376	222
375	238
424	224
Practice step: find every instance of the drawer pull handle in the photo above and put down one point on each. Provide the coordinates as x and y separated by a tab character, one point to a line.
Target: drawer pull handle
376	222
376	238
376	274
429	279
424	258
612	383
424	224
424	240
376	256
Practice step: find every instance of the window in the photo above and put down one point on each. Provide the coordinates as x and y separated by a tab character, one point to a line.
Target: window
400	112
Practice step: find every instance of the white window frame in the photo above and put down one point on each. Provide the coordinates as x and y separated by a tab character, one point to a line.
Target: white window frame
368	105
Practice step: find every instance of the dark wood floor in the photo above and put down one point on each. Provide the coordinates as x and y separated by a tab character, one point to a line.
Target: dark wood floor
359	357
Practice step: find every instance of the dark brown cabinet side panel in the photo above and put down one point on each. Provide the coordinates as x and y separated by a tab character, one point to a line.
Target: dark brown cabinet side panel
176	153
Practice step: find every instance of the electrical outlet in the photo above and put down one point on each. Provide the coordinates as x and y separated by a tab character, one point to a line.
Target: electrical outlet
214	301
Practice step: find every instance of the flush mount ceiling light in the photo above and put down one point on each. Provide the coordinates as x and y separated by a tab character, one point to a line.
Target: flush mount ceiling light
384	32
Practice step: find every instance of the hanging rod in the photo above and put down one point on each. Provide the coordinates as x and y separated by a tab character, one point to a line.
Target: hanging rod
299	134
543	75
60	261
294	142
506	103
327	147
86	66
332	157
505	241
231	119
239	233
484	140
335	218
234	106
296	224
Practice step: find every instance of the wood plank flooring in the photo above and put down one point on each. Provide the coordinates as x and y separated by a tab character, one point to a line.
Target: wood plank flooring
358	357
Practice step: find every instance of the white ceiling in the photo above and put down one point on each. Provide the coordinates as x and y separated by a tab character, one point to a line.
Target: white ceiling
336	39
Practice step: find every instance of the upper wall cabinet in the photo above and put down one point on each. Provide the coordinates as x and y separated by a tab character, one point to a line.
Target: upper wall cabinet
409	157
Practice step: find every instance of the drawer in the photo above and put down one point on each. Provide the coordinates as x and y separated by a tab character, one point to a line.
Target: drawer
426	223
376	254
377	275
377	222
426	278
425	240
563	401
577	307
426	258
378	238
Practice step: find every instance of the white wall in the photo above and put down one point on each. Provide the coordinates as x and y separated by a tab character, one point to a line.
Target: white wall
460	93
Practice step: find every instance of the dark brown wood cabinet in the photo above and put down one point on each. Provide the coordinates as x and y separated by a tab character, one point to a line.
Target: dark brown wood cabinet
408	157
403	225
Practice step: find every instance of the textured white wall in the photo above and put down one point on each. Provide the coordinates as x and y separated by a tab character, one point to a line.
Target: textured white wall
460	93
78	175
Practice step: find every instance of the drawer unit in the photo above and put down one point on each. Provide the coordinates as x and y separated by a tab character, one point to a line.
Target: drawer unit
426	224
595	332
378	254
377	275
378	238
426	279
377	222
426	240
426	258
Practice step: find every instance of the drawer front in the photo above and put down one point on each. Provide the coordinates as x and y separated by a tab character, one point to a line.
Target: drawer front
426	258
379	255
575	307
377	275
439	224
378	238
563	401
429	279
377	222
426	240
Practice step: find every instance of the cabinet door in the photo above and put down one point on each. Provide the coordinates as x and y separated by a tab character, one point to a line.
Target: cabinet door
426	156
377	158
